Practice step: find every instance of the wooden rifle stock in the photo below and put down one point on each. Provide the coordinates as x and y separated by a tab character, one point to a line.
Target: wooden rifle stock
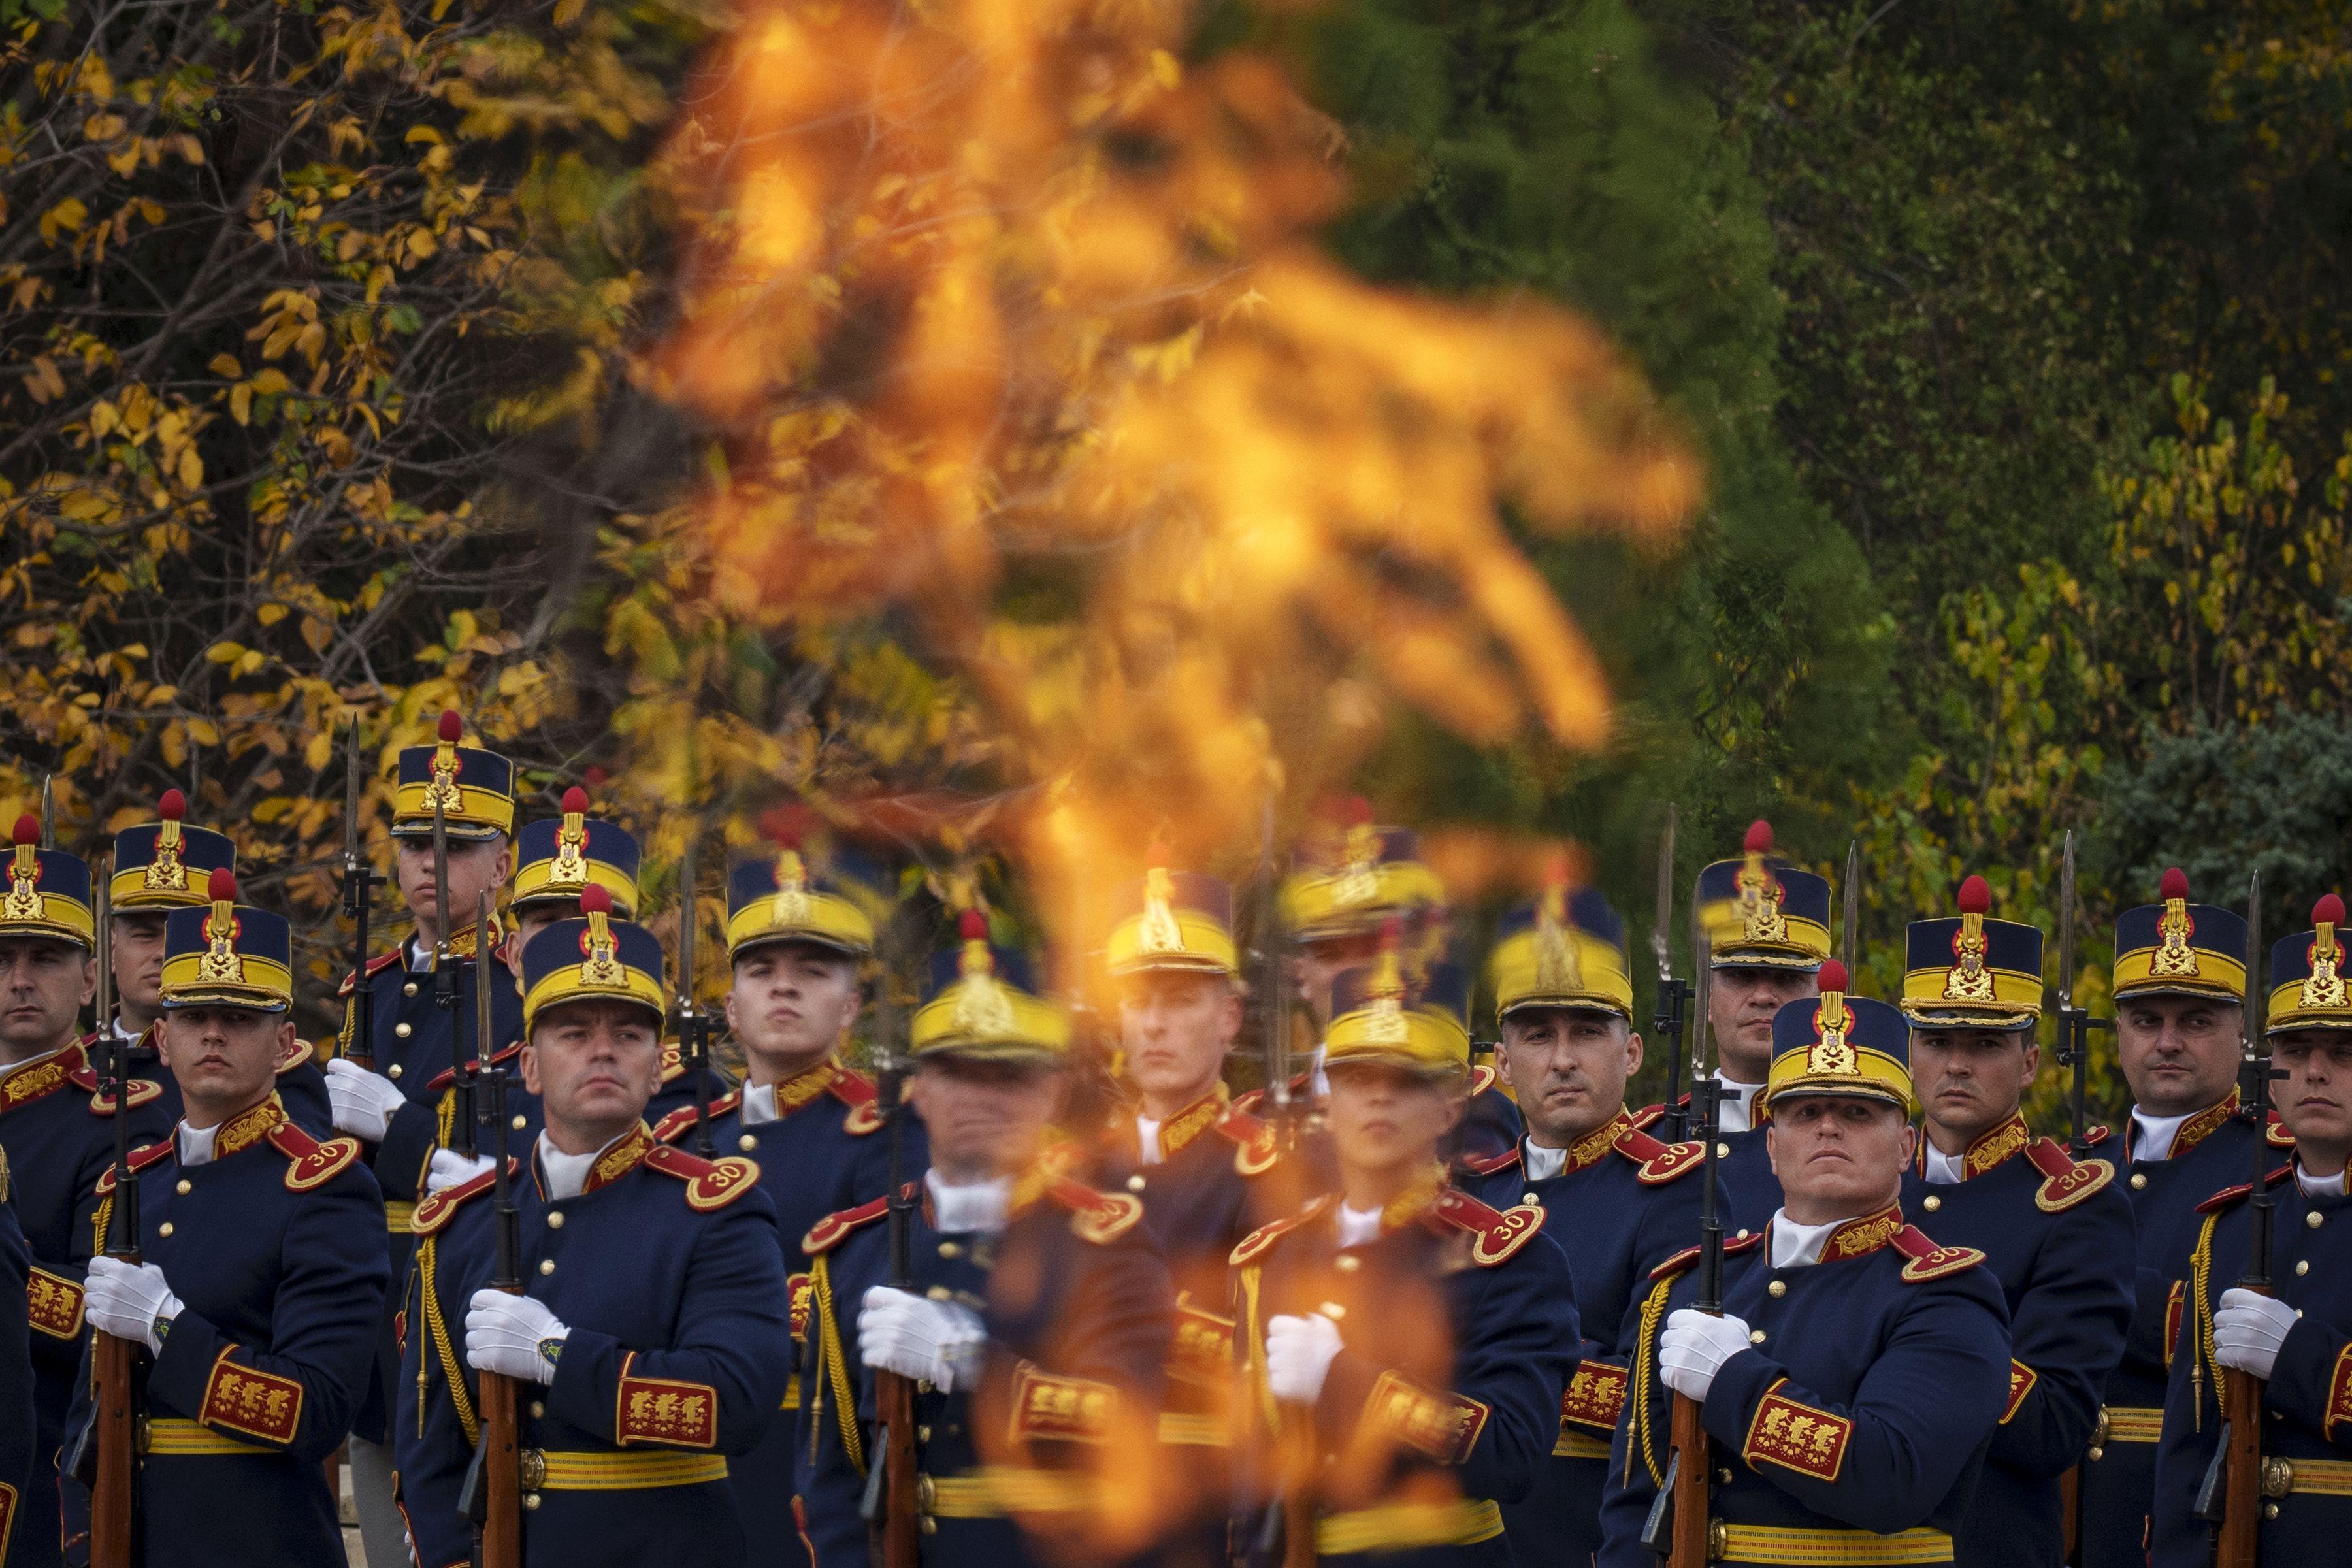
1688	1542
896	1533
499	1455
2241	1508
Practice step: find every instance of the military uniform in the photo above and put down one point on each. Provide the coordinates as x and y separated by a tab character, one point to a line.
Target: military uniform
2306	1437
2200	950
1852	1428
264	1239
1618	1201
57	1130
663	1276
1072	1304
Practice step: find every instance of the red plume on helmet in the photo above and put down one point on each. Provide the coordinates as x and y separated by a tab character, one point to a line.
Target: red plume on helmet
173	807
222	886
596	899
2173	884
1759	837
452	726
28	830
575	801
1976	895
1833	977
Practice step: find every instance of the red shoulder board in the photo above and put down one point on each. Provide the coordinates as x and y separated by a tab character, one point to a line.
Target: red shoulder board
1255	1149
2096	1135
1482	1078
1488	1165
856	1090
1247	1101
437	1209
1096	1217
1647	1114
1495	1234
827	1233
313	1163
296	1053
2280	1138
140	1160
680	1122
673	1062
2065	1183
1661	1163
710	1184
1254	1244
381	960
1688	1257
449	1076
2229	1195
1929	1261
143	1092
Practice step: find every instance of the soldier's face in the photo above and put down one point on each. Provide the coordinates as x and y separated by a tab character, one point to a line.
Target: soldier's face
2315	1099
1971	1080
2179	1054
1568	1067
593	1065
1740	1002
1322	960
1175	1029
983	1119
532	918
224	1059
138	955
791	1003
1384	1119
1837	1156
476	866
44	984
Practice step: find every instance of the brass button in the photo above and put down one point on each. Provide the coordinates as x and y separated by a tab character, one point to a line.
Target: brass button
409	989
184	1187
1723	1150
1742	1236
393	1069
2140	1180
950	1249
402	1030
2304	1267
2094	1455
547	1266
1529	1198
1135	1183
2270	1511
748	1143
1346	1263
1932	1203
1755	1336
530	1501
922	1434
930	1525
2313	1220
1723	1476
519	1122
555	1219
938	1293
538	1409
163	1229
1777	1288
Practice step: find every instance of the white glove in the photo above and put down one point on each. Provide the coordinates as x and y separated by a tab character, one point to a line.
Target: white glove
2248	1328
936	1341
1694	1348
513	1335
128	1300
361	1102
449	1168
1298	1356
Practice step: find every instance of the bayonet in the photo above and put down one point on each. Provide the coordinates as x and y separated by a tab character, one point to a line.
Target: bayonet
1674	995
360	877
1850	927
693	1028
48	811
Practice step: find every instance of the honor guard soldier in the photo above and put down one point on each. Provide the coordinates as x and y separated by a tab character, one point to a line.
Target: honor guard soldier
1034	1317
1620	1203
404	1109
1203	1169
262	1279
2179	977
1406	1345
160	866
649	1339
800	926
2056	1234
57	1130
1768	924
2298	1341
1858	1369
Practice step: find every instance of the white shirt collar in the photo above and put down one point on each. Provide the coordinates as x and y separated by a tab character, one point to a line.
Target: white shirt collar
975	1205
1943	1169
196	1143
1359	1226
2319	1186
1542	1163
757	1105
2152	1135
417	956
1736	1103
1147	1140
1798	1246
566	1174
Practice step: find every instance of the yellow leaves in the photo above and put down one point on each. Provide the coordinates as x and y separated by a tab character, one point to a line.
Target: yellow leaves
42	379
318	751
65	217
567	12
226	366
290	320
420	245
103	127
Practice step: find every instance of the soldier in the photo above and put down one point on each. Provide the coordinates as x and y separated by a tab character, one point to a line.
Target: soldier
556	858
649	1339
1858	1370
2299	1340
1410	1342
2179	977
262	1280
160	866
1202	1167
404	1110
57	1130
799	928
1768	924
1035	1317
1618	1202
2056	1234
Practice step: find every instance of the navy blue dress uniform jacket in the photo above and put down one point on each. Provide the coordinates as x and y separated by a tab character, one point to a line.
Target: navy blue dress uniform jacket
420	1061
1059	1437
1864	1408
2058	1237
2306	1404
666	1272
1744	1165
19	1457
1459	1333
825	1152
270	1247
301	1083
2213	1150
1622	1204
57	1131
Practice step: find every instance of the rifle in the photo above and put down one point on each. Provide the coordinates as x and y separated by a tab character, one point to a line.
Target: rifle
2074	1055
890	1506
693	1028
1676	1528
492	1494
360	877
444	992
1673	995
2239	1453
113	1507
